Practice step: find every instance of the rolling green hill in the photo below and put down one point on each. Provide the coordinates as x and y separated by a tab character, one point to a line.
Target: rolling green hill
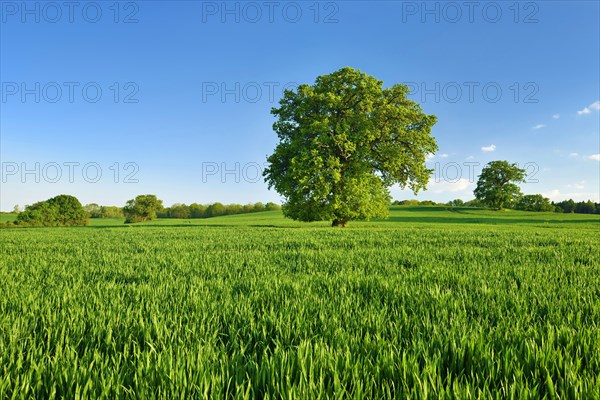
398	214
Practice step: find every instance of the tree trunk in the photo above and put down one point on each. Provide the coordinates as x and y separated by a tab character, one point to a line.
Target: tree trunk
339	223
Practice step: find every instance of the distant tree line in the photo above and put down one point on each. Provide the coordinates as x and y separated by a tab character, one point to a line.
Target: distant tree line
148	207
94	210
65	210
582	207
453	203
528	202
195	210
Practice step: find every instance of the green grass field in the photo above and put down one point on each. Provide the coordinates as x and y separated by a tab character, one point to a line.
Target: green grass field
431	303
7	217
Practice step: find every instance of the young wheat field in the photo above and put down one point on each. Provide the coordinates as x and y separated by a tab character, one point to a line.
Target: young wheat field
432	303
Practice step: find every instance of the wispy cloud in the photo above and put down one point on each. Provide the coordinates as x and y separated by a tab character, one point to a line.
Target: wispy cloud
585	111
429	156
594	157
470	158
489	148
538	126
595	106
573	154
556	116
577	185
444	155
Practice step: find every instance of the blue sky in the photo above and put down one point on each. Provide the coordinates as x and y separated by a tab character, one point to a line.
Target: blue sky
174	98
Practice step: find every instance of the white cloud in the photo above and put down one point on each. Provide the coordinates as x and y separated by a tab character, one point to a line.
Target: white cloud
588	110
429	156
573	154
538	126
470	158
594	157
584	111
577	185
489	148
556	195
444	155
449	186
556	116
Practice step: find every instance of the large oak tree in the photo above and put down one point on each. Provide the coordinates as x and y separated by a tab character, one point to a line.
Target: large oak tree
497	185
143	208
343	141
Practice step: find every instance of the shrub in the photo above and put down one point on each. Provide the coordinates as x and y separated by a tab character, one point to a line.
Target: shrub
62	210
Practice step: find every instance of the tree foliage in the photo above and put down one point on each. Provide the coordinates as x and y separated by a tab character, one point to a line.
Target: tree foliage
497	185
585	207
93	210
342	142
142	208
195	210
62	210
456	203
567	206
534	202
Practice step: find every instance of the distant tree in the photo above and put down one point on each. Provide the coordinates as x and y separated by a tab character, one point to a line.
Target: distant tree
38	214
475	203
62	210
408	203
179	210
197	210
585	207
456	203
428	203
16	209
142	208
232	209
258	207
93	210
343	142
215	210
270	206
111	212
534	202
497	186
567	206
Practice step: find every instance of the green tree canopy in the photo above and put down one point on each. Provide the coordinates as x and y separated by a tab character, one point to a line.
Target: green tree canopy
93	210
497	185
111	212
456	203
178	210
343	141
197	210
534	202
215	210
62	210
142	208
585	207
